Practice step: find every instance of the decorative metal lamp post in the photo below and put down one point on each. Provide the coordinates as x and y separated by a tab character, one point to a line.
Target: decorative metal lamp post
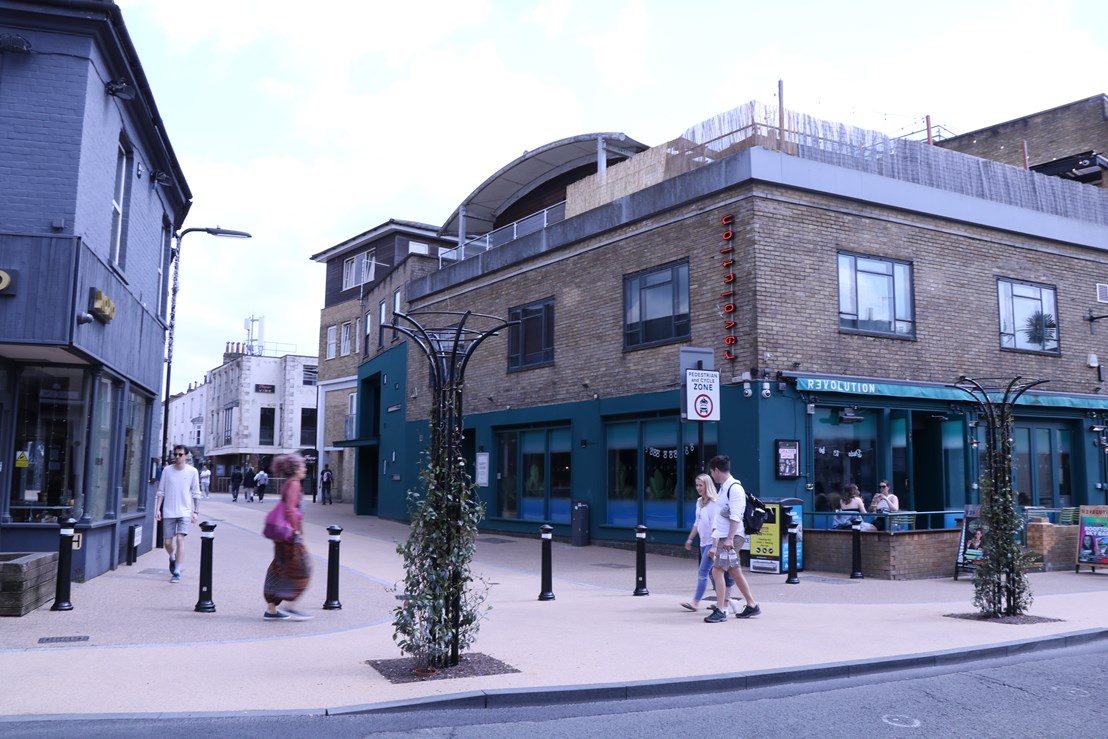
999	583
448	346
176	256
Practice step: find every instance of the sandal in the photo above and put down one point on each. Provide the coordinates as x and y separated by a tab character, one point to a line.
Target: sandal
688	606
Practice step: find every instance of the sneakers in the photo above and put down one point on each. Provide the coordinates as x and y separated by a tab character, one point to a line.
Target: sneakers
173	565
278	616
296	615
176	577
748	611
715	617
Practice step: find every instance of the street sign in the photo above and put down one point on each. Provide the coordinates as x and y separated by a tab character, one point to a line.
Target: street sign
702	395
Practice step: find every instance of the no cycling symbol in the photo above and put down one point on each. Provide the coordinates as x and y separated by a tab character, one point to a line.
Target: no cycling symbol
703	406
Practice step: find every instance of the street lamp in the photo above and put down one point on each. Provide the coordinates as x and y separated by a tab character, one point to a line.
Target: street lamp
176	256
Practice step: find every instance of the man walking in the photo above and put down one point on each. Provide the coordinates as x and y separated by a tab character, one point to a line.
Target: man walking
325	479
260	481
205	480
727	540
236	483
248	483
176	505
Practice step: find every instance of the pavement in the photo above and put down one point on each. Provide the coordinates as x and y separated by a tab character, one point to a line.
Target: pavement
134	645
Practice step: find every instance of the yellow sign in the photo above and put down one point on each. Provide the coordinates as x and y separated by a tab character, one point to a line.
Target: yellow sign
21	459
765	546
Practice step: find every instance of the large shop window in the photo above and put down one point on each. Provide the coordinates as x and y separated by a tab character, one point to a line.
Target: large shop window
100	443
656	305
1028	317
845	452
51	420
875	295
1042	465
649	462
535	474
531	341
134	457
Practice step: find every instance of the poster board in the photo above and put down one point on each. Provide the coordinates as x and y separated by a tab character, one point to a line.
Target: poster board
971	541
765	546
1092	537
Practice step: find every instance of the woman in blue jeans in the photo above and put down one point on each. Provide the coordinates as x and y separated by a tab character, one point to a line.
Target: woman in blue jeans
706	508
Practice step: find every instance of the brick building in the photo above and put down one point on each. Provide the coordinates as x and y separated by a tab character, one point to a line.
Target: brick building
839	281
92	194
365	278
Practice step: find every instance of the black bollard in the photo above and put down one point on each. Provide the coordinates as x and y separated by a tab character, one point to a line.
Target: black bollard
204	602
640	561
792	579
65	566
334	538
547	593
856	563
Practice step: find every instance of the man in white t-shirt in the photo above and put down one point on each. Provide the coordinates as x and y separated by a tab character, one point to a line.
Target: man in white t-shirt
727	540
176	505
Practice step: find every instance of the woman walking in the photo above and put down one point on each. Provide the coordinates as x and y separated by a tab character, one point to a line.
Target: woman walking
291	569
706	508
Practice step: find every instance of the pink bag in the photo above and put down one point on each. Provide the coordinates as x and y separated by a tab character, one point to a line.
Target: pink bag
277	525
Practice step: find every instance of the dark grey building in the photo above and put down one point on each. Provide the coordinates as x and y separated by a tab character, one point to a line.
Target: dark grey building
90	196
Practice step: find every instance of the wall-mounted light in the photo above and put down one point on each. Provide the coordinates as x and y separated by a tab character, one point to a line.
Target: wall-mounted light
13	43
1096	428
158	177
120	88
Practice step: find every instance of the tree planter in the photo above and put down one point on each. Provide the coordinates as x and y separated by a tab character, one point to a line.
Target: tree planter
27	581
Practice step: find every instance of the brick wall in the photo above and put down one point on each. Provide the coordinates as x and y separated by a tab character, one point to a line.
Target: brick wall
1063	131
904	555
1056	544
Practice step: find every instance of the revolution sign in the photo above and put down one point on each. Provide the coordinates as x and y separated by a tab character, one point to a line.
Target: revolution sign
702	395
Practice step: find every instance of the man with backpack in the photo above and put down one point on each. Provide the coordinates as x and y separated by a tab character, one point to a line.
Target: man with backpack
260	481
727	540
248	483
325	479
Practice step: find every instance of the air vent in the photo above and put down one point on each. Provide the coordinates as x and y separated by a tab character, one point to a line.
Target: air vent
1101	292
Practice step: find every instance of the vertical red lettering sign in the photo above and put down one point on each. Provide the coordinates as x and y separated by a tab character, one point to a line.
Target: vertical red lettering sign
728	290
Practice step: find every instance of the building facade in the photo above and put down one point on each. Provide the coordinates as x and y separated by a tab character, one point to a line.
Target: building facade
364	284
258	407
187	412
838	280
92	194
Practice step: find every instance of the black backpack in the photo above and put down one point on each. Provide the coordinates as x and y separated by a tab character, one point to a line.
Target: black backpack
754	515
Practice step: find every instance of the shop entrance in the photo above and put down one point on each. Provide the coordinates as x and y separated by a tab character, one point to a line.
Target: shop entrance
1042	463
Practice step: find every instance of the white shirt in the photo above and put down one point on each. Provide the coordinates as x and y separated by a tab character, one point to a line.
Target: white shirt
705	520
179	488
731	493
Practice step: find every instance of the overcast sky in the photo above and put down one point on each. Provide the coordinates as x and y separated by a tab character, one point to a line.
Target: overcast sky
307	123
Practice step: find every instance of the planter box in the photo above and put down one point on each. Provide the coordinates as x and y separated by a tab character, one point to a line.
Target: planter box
27	581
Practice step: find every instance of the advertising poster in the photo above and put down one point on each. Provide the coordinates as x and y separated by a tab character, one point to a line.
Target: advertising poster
765	546
1092	536
970	542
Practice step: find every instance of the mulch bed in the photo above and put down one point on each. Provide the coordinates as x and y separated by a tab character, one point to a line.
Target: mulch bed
1024	619
408	669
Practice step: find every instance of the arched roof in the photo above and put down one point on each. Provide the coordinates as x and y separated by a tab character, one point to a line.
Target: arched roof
529	171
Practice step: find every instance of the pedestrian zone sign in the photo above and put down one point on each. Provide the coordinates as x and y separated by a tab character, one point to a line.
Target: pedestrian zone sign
702	395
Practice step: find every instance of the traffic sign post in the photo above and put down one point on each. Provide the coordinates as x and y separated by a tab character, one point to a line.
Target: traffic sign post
702	395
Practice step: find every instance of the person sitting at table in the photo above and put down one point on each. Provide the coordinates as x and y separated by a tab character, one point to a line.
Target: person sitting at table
851	501
884	502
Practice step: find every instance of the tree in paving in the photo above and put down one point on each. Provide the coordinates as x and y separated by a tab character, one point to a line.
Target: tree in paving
1000	581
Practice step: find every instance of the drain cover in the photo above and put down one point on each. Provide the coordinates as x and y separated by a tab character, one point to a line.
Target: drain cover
61	639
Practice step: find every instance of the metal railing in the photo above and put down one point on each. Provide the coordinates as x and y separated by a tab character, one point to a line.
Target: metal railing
893	522
505	234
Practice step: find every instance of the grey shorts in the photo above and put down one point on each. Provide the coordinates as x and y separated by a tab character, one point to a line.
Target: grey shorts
172	527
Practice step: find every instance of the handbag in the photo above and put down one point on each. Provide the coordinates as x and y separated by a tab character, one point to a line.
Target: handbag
277	525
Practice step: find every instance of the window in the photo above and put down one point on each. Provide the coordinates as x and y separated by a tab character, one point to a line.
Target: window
119	205
331	341
531	342
311	374
1028	317
656	306
227	414
381	319
417	247
875	296
357	270
307	427
134	450
345	339
266	426
368	331
534	480
357	334
163	268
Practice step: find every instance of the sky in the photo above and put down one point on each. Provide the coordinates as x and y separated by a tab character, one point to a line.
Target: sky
309	123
